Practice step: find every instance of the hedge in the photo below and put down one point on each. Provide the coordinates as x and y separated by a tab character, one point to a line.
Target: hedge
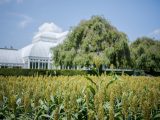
34	72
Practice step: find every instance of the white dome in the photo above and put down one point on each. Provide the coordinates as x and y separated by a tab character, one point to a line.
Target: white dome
48	36
38	49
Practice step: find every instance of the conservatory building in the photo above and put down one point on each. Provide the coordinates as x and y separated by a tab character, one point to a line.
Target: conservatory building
36	55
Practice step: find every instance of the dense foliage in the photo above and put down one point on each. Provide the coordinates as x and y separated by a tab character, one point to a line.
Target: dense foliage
146	54
93	42
97	42
80	98
42	72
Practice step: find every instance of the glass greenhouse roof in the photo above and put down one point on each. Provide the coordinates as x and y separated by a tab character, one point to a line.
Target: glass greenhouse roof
10	56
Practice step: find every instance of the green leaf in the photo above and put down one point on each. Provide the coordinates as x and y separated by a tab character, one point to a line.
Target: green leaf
106	105
117	114
120	117
88	78
110	82
157	116
46	116
79	100
12	116
43	105
54	99
18	102
92	90
75	116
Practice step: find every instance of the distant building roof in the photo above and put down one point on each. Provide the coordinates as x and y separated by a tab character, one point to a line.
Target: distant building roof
10	56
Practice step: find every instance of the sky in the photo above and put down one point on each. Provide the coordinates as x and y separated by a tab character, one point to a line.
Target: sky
21	19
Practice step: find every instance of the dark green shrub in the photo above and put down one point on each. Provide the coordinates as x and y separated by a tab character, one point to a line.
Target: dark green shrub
33	72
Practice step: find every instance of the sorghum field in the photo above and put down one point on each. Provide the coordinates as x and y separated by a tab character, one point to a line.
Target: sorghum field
80	98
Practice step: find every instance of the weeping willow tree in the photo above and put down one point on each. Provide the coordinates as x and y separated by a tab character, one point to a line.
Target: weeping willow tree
93	42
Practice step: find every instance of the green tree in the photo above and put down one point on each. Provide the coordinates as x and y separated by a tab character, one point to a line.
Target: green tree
93	41
145	53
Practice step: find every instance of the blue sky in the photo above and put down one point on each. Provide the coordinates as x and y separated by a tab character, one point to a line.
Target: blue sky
20	19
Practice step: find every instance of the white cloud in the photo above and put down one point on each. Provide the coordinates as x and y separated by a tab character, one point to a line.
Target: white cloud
155	34
25	21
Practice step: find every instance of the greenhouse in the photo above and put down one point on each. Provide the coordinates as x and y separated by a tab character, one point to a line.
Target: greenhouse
36	55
